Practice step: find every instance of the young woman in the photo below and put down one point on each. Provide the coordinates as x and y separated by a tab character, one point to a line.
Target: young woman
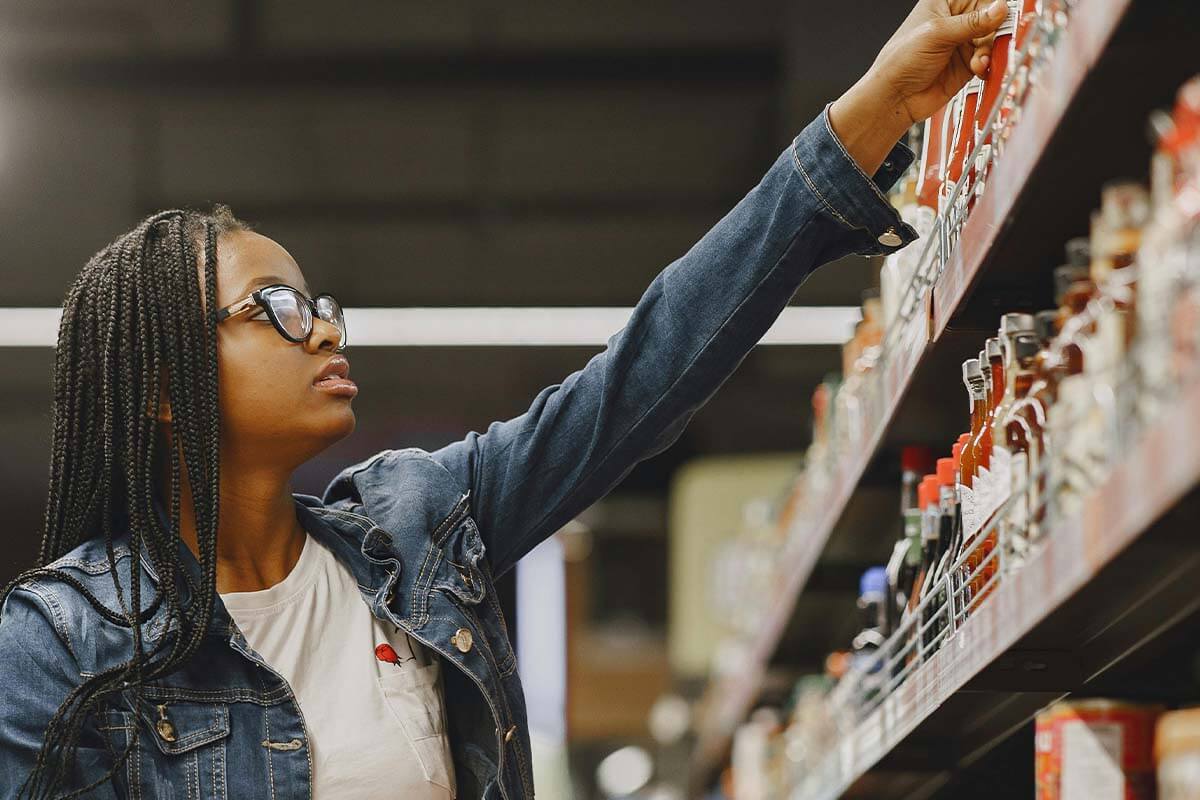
195	629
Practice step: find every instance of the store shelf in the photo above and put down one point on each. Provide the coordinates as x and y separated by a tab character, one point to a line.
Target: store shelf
1150	481
1001	261
731	697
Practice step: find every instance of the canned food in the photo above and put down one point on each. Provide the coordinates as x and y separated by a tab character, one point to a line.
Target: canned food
1096	750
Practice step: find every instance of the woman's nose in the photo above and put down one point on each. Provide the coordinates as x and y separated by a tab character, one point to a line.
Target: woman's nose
325	336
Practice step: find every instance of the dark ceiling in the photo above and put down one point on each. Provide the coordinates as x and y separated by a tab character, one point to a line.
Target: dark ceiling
466	152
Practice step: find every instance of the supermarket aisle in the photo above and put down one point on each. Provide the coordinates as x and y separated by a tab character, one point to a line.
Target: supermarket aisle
1029	382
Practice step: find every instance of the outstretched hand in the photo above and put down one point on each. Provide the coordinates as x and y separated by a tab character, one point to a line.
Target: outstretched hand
936	50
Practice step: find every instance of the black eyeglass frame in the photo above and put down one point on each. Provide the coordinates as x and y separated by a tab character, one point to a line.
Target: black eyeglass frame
260	298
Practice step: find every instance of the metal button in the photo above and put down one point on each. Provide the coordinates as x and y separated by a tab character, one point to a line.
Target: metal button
463	640
890	238
510	733
164	726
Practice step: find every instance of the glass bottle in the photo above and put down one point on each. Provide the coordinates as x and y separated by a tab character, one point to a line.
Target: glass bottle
1020	436
964	138
973	379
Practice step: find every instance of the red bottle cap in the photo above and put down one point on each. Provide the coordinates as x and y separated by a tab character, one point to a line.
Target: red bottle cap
956	453
916	458
927	492
946	471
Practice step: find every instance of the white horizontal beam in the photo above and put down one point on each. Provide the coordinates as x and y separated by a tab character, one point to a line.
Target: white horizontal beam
505	327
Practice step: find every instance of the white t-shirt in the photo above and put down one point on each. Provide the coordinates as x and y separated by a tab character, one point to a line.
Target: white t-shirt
377	729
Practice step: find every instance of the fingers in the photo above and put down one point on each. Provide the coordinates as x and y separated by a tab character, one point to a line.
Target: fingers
973	25
980	62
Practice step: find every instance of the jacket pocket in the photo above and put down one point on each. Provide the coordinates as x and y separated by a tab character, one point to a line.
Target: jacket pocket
181	750
413	695
460	573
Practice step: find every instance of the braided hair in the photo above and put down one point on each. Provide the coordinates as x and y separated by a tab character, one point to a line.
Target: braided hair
134	313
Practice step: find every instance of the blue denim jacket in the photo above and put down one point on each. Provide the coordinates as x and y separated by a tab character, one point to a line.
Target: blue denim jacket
425	533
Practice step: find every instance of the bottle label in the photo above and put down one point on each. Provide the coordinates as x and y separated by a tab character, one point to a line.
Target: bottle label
970	514
1001	478
1019	511
983	485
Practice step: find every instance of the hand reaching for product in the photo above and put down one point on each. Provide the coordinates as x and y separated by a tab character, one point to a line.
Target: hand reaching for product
937	49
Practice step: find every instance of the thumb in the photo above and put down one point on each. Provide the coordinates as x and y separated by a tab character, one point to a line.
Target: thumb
978	22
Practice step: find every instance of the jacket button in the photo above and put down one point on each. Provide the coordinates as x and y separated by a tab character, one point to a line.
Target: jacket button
890	238
510	733
463	640
164	726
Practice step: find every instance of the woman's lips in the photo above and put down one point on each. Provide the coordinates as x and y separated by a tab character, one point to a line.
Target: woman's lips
342	387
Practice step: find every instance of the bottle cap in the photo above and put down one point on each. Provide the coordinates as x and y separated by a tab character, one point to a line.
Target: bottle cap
916	458
1025	348
1079	252
993	348
970	369
1014	323
1067	274
873	581
927	492
945	472
956	453
1045	325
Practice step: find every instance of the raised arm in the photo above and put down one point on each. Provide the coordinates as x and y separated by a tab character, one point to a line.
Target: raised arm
702	314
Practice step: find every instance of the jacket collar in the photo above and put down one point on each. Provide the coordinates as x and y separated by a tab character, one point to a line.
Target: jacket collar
364	548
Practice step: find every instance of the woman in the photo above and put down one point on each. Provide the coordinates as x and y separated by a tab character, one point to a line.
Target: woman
197	629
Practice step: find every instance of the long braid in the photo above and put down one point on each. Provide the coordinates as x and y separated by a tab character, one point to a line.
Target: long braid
134	311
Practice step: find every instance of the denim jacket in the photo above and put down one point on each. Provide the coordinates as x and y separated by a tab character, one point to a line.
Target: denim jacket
425	533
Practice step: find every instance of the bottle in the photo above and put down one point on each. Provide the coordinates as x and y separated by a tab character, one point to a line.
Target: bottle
993	375
1021	433
1011	327
961	147
927	499
996	75
946	509
911	563
913	463
973	380
1035	409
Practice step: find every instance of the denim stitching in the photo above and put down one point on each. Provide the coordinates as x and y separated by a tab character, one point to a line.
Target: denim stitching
241	694
869	180
490	657
270	752
46	595
813	188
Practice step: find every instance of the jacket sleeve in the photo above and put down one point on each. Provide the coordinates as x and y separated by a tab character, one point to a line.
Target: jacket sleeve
39	671
696	322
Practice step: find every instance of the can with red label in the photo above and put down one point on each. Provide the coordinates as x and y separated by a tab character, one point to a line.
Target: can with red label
1096	750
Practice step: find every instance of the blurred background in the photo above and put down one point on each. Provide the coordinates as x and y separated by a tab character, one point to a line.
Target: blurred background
466	153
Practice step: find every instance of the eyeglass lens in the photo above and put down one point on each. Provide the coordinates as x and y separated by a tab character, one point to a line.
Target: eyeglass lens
295	314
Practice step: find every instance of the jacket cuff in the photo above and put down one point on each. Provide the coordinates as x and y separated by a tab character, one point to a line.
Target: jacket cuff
855	201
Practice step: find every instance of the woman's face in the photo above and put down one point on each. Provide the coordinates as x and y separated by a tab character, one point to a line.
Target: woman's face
270	407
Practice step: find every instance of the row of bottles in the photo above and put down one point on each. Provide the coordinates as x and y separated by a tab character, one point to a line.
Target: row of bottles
1052	402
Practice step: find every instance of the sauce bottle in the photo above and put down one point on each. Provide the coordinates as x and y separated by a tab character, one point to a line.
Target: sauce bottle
1020	437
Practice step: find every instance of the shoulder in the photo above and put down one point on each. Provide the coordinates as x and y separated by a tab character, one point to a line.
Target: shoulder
410	470
50	604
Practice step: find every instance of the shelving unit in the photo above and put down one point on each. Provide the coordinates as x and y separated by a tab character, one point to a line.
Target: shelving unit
1081	125
1025	646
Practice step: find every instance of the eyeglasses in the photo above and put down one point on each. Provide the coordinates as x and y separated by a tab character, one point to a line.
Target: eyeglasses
290	311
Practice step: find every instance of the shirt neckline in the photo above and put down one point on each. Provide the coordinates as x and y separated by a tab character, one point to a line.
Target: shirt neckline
293	585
